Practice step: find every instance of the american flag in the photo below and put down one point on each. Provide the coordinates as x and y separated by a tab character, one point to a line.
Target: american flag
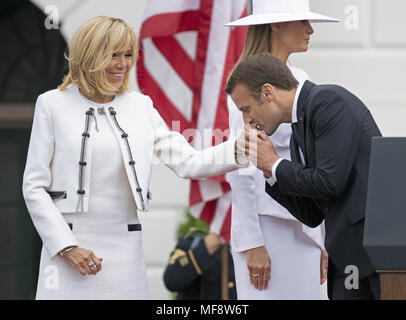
186	56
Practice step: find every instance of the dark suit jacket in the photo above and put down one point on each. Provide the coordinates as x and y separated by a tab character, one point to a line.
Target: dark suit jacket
334	132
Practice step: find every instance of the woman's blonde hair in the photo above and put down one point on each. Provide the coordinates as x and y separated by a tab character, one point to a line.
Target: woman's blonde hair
258	40
91	52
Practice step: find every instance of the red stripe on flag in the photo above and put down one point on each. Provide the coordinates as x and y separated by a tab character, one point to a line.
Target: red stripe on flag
225	229
166	24
209	211
195	196
152	89
225	186
206	8
177	58
234	50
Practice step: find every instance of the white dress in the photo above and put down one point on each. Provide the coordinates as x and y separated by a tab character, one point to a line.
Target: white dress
104	230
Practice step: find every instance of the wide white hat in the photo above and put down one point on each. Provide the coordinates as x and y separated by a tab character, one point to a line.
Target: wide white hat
273	11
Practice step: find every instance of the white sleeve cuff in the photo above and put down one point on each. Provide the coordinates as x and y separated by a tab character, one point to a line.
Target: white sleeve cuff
273	179
239	157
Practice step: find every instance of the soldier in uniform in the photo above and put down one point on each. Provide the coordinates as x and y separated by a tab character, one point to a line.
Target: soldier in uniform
197	270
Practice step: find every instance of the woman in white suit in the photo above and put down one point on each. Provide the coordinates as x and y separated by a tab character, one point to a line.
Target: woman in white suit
275	256
89	165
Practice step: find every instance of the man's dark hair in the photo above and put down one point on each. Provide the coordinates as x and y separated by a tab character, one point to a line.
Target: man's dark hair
256	70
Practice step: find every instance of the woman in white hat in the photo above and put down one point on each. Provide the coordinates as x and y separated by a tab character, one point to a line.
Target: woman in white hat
263	231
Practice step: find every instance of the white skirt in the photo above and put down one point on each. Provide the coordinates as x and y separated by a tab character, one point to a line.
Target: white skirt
295	264
123	274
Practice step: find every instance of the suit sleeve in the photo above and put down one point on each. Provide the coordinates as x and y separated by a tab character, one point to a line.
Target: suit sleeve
186	264
246	229
303	209
51	226
176	153
336	138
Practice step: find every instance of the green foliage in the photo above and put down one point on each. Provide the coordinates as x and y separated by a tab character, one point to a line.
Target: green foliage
192	222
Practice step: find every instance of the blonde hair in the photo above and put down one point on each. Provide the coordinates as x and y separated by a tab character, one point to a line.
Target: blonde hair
91	52
258	40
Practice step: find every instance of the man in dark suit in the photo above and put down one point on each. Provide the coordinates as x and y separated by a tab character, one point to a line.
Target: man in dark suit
327	176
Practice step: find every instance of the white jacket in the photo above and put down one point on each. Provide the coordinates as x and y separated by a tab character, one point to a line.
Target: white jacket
55	151
249	198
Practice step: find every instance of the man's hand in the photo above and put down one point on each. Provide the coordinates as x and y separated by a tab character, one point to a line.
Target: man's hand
259	267
258	149
323	266
212	242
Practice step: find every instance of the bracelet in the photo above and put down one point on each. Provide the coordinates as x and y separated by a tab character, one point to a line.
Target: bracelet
62	252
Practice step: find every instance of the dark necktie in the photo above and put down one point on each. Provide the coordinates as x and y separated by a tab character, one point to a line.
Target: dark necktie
298	144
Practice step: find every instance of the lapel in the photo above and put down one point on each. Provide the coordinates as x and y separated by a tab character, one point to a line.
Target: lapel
299	128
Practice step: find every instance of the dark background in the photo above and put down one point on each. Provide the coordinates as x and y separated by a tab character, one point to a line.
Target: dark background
31	62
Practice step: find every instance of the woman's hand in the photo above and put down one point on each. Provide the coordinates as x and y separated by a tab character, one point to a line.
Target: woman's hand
259	267
323	266
83	260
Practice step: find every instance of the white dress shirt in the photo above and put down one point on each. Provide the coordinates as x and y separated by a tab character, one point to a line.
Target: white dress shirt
273	179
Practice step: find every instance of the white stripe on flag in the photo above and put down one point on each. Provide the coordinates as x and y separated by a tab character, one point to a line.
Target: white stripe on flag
214	69
188	41
196	210
210	189
237	9
223	204
170	83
